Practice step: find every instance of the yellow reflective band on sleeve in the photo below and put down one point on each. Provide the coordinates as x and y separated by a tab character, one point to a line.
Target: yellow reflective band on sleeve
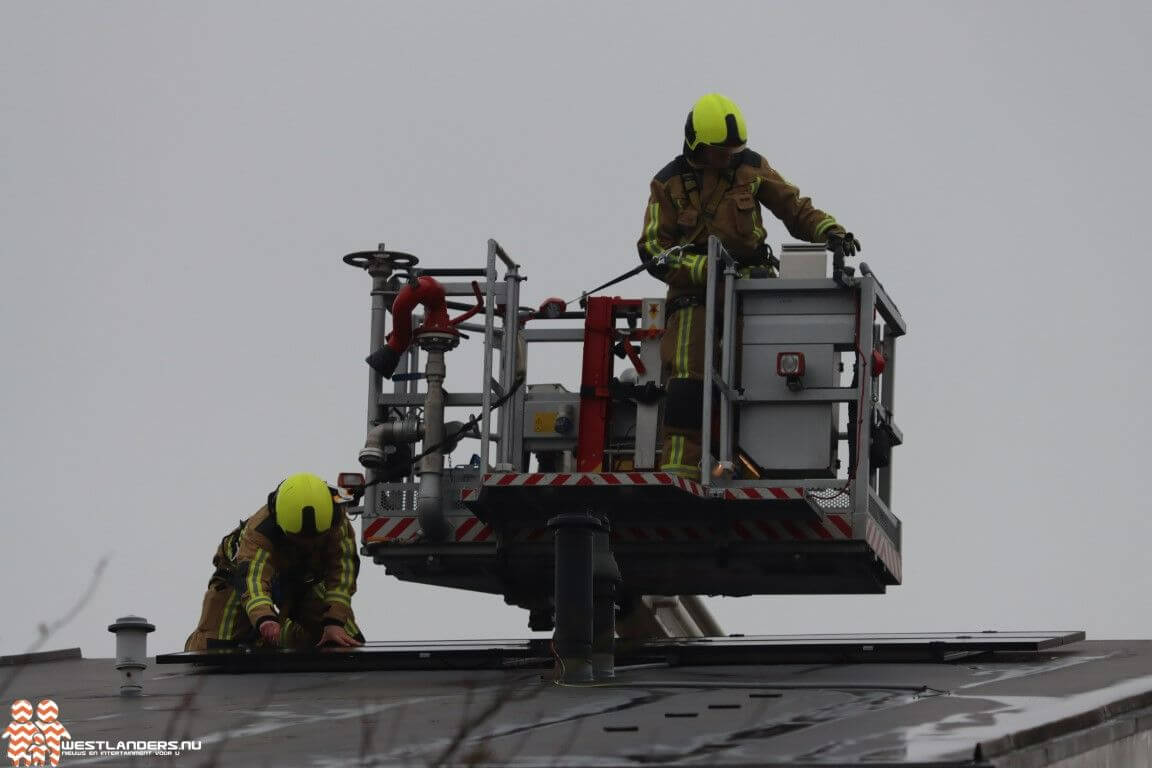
651	234
827	223
253	604
339	597
347	565
256	594
701	276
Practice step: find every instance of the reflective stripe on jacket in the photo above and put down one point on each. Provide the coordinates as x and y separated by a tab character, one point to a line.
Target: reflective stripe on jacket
264	552
686	205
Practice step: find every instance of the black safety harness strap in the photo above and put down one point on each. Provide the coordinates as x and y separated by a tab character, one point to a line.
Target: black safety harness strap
707	212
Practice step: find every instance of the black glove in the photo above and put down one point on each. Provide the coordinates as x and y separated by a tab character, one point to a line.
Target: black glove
658	268
843	244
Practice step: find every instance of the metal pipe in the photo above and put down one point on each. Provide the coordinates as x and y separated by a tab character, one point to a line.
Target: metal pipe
377	336
499	251
709	341
508	347
728	342
489	340
862	485
372	455
572	639
430	497
673	617
700	614
605	584
888	400
516	404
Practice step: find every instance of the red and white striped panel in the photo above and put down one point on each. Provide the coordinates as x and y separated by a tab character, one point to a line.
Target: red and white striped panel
885	549
759	494
591	478
831	528
834	527
404	530
472	529
539	479
396	529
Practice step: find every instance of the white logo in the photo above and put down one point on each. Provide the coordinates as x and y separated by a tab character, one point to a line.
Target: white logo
46	740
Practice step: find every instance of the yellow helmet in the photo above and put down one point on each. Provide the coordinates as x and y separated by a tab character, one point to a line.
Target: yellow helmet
302	504
715	120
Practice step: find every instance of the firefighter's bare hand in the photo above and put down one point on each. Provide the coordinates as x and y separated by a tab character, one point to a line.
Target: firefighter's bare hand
334	634
270	632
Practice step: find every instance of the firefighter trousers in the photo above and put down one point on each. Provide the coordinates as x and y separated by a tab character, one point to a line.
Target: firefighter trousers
224	622
682	358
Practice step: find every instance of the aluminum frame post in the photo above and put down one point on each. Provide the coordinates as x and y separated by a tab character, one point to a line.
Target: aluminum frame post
376	339
509	343
573	533
888	399
515	404
709	343
489	338
727	353
862	484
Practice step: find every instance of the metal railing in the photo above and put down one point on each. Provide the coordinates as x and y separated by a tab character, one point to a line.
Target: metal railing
869	490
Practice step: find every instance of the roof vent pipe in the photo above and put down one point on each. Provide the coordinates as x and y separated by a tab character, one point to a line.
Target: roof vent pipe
131	652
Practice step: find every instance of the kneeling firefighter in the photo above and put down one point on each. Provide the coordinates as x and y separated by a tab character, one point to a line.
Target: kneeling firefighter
285	576
714	187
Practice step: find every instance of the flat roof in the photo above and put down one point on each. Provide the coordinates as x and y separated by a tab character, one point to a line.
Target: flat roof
925	713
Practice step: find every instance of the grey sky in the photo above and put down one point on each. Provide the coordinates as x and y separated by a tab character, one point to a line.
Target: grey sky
177	182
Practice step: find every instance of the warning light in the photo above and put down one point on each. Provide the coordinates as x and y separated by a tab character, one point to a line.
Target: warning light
551	308
790	364
350	481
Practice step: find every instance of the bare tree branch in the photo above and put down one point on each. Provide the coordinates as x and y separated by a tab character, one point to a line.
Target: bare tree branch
50	628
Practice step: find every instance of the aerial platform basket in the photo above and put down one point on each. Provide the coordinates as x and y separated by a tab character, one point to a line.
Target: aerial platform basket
794	496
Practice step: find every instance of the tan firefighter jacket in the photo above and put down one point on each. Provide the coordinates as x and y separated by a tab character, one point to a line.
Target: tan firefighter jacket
687	204
258	552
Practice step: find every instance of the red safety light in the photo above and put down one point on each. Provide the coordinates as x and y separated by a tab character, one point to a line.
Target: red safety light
350	481
879	362
551	308
790	364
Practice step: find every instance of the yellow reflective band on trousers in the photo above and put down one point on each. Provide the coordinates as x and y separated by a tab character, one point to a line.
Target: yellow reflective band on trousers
681	369
682	366
675	455
228	618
